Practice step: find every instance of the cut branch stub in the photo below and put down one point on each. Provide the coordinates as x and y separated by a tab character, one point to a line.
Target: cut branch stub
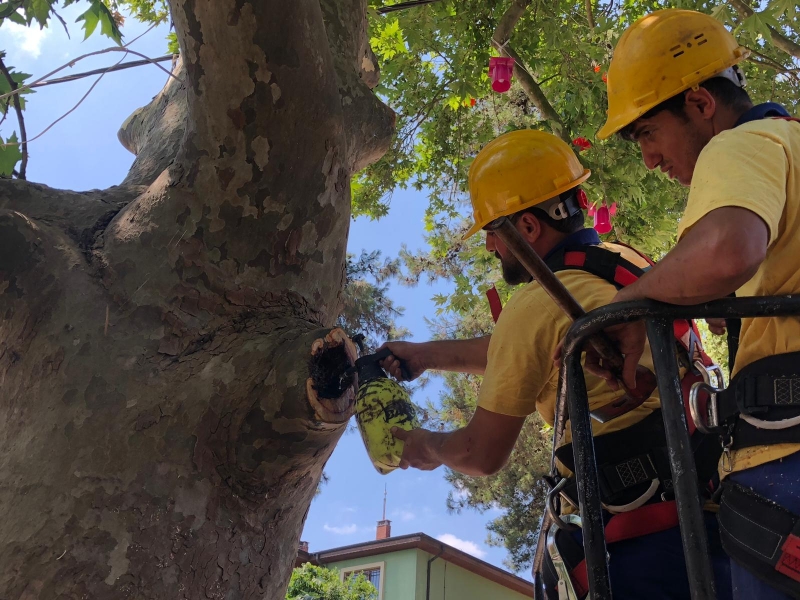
332	396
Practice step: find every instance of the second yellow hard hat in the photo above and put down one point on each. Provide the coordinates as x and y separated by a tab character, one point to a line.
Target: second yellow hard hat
518	170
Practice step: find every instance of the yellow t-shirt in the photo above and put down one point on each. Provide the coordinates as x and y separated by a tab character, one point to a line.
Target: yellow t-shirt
520	376
757	166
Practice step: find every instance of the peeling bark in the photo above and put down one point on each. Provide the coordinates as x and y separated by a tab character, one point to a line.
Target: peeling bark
163	426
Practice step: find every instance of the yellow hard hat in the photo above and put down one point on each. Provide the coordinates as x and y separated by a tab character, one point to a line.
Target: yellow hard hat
661	55
518	170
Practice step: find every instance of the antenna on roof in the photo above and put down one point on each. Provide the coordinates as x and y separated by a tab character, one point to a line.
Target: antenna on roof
384	501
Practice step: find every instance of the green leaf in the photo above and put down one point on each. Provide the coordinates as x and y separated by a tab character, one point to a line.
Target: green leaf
9	155
172	43
90	20
40	10
17	18
98	13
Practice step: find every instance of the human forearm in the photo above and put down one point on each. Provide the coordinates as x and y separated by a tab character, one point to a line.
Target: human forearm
480	448
462	356
719	255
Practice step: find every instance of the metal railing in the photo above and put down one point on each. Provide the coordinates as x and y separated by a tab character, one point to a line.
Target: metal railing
659	319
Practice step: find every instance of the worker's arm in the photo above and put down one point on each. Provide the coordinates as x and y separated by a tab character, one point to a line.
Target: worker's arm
462	356
480	448
719	254
715	258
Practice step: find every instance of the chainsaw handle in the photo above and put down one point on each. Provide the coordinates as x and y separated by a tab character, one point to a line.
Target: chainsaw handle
386	353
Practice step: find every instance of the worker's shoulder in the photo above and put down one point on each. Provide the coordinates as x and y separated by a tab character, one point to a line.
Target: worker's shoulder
578	282
783	131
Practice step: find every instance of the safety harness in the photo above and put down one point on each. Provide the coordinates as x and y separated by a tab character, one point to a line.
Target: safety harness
632	464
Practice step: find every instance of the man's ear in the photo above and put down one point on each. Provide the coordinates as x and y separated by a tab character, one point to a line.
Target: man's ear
701	103
529	226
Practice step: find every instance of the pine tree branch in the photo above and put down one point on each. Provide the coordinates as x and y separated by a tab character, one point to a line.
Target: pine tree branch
779	40
17	107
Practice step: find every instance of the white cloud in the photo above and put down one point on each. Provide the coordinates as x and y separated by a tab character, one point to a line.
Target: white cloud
27	39
463	545
343	530
404	515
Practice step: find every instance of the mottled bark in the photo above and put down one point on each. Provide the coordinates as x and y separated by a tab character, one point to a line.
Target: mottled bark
163	423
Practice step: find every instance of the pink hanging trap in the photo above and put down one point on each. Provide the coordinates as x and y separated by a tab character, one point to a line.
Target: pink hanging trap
602	216
501	69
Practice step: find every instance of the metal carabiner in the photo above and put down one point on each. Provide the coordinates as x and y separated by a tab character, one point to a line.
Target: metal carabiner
707	372
706	421
552	510
566	591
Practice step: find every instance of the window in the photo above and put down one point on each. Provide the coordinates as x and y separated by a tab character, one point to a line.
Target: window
373	572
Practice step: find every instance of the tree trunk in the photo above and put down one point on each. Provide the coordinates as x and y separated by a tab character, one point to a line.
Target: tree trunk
169	378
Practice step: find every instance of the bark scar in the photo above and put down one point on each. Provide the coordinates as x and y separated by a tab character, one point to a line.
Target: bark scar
331	396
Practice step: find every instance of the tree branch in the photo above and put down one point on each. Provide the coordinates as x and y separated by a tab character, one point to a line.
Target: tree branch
502	33
509	21
590	14
779	40
535	93
17	107
404	5
154	132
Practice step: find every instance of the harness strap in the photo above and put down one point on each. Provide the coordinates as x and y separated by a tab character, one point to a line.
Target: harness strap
495	305
615	269
651	518
762	403
761	535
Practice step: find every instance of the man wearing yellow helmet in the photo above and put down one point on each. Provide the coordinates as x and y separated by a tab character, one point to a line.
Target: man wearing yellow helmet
533	178
674	88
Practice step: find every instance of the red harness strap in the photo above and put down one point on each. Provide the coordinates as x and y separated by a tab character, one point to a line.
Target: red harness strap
494	303
789	561
650	518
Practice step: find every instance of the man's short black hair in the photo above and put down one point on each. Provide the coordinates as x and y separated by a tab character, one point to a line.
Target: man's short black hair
568	225
724	91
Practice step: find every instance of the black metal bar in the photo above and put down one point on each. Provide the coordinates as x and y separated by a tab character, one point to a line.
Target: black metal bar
681	460
624	312
594	541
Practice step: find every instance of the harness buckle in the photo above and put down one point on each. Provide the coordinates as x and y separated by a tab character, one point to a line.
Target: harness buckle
727	457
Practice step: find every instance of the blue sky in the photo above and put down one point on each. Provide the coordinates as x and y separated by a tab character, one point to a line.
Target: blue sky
82	152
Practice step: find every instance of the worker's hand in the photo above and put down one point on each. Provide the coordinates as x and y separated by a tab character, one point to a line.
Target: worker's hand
630	338
412	355
716	326
419	450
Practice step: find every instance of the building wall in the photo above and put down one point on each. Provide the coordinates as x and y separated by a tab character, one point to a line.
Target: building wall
450	582
399	576
404	578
